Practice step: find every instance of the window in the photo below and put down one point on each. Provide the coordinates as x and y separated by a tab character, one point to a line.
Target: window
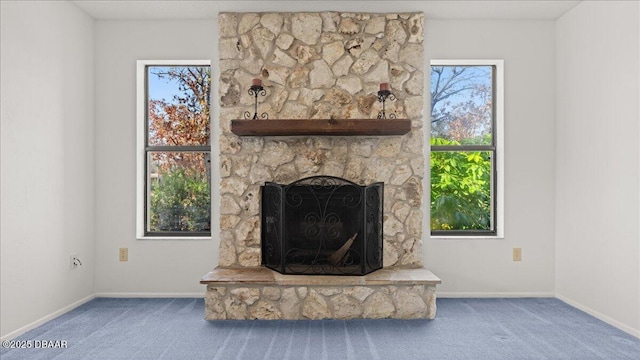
466	148
174	149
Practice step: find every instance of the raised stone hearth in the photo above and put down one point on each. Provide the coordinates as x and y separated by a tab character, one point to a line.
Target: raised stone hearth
260	293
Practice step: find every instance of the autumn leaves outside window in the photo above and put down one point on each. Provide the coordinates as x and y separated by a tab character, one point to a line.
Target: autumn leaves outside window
177	151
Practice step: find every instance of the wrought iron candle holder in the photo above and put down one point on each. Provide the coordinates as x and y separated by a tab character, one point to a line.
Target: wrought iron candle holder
383	95
255	90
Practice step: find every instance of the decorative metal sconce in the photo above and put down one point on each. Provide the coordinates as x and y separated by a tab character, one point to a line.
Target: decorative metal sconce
383	95
255	89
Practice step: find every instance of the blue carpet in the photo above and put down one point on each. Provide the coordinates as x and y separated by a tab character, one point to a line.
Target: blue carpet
463	329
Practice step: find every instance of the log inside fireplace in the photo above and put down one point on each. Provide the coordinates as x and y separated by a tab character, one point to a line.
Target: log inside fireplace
322	225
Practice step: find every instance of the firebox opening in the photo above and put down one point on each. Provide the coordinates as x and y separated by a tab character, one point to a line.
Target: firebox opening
322	225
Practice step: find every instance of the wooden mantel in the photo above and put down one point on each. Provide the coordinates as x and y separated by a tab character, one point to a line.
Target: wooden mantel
335	127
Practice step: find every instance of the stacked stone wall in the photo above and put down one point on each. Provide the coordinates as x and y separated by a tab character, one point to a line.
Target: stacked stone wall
321	66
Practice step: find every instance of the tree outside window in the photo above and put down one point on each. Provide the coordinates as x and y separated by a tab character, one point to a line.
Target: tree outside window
177	151
463	150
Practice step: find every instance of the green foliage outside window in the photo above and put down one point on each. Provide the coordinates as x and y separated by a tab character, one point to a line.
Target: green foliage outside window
462	147
180	202
460	189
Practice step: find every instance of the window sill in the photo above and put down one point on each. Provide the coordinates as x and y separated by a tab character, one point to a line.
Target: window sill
181	238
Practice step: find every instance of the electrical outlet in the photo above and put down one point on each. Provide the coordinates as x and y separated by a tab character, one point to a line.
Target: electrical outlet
74	261
124	254
517	254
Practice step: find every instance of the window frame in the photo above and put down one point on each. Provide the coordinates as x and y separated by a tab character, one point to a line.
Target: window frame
497	181
142	148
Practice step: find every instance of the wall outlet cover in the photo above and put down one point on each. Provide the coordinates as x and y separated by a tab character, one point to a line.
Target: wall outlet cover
517	254
124	254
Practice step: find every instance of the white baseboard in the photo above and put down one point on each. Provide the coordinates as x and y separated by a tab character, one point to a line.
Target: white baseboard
68	308
148	295
49	317
626	328
440	294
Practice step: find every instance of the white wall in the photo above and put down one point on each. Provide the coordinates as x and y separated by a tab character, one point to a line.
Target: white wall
466	266
484	267
597	182
155	267
47	160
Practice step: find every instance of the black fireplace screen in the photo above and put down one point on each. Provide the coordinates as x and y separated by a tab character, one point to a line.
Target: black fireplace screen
322	225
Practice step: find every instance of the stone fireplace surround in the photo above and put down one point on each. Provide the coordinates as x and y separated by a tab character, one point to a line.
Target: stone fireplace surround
324	65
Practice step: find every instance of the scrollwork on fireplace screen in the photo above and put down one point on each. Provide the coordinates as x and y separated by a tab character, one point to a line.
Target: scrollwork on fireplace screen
322	225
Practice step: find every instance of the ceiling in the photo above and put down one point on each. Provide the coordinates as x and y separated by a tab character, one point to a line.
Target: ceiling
433	9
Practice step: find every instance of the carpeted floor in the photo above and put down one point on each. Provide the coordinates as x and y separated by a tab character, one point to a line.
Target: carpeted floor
463	329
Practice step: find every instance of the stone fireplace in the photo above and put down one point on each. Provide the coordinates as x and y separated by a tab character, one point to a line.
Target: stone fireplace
318	66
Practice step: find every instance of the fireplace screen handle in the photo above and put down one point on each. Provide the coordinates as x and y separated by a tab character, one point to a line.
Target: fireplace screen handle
338	257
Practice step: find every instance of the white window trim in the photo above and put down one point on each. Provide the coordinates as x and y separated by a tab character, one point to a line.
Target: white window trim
499	131
140	145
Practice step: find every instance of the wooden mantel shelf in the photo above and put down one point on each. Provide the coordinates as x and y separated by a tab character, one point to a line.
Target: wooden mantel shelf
335	127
